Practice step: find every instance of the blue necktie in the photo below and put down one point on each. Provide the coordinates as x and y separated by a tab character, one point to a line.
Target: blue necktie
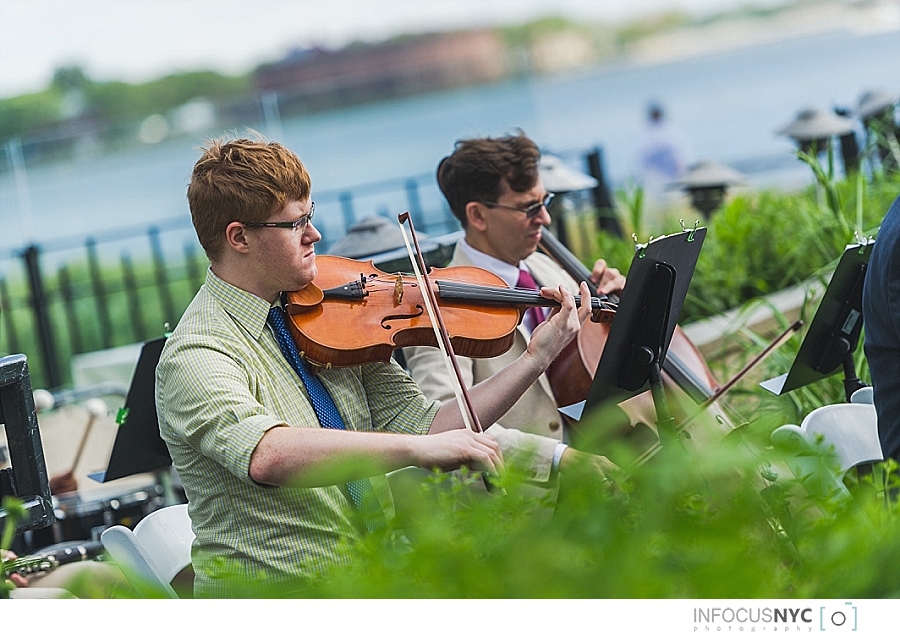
360	491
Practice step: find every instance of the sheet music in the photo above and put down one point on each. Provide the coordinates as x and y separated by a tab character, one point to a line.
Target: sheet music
573	411
838	315
774	384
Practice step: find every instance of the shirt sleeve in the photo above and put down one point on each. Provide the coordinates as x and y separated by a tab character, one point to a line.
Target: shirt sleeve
892	290
531	454
209	400
396	403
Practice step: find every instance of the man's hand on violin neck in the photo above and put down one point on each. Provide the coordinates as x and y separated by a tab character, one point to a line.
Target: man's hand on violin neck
554	334
460	447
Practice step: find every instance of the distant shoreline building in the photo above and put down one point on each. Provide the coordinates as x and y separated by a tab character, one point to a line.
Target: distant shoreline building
312	79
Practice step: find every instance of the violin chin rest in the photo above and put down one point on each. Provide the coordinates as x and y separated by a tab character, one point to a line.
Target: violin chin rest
310	296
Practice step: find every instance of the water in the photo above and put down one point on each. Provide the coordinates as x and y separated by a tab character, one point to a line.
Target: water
729	105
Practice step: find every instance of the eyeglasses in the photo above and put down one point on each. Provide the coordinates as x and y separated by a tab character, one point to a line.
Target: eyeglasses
299	225
530	211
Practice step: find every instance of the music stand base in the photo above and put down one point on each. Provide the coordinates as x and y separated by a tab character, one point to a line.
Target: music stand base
665	423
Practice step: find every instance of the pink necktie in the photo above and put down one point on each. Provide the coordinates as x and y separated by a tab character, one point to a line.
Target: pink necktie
536	313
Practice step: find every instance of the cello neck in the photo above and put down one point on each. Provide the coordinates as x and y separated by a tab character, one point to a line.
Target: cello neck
551	245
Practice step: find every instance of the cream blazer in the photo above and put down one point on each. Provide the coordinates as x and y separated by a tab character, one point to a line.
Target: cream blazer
530	431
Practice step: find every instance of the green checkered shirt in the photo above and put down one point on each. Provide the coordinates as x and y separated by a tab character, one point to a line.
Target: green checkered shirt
221	383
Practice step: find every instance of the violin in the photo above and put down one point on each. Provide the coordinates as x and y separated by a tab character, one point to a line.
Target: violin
354	313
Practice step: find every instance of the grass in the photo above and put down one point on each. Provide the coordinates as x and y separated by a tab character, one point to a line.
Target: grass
134	310
756	244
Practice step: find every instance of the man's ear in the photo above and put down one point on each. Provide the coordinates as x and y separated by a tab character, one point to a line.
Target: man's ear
236	237
475	216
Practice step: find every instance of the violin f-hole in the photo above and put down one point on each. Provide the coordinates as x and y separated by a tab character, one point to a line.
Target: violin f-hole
387	326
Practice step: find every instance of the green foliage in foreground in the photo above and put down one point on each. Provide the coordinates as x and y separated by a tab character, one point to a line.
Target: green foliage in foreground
727	520
723	517
683	526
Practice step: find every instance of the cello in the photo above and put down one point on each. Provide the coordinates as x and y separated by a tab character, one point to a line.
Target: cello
686	376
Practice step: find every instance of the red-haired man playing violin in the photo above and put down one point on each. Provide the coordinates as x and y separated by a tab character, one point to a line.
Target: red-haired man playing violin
494	189
283	472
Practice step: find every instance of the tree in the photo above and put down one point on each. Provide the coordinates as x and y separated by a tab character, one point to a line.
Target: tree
69	78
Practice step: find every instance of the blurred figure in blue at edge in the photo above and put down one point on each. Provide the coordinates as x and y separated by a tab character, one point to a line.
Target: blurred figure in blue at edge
663	154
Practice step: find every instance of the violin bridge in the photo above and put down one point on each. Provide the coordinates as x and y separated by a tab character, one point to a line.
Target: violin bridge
398	290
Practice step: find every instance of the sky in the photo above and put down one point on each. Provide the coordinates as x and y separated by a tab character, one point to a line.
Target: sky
136	41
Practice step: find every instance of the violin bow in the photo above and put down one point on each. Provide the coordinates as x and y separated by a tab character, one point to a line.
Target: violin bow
774	345
469	416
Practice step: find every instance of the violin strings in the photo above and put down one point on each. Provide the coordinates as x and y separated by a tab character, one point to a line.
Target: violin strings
514	295
490	293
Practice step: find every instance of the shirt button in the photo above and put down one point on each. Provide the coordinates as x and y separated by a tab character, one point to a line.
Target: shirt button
554	425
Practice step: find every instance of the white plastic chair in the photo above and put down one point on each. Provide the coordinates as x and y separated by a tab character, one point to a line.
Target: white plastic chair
863	395
850	428
41	593
156	550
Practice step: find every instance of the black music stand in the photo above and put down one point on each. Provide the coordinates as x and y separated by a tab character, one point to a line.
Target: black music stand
27	478
138	447
833	335
639	337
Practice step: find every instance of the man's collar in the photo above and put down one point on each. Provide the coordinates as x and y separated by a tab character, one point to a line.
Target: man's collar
507	272
246	308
